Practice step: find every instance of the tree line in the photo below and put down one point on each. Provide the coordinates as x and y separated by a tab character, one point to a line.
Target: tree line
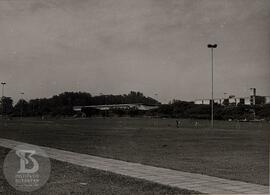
183	109
62	105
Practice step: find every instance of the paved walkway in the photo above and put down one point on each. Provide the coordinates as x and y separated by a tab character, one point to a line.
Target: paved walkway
183	180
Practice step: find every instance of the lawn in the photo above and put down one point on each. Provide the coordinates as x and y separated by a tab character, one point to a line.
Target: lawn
66	178
232	150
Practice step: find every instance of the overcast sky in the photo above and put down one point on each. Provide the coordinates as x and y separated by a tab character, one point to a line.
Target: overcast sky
153	46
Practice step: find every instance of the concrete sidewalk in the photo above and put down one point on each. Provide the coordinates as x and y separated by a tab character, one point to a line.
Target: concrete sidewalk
180	179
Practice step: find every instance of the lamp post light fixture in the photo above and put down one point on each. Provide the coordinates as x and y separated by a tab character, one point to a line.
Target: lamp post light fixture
3	85
212	47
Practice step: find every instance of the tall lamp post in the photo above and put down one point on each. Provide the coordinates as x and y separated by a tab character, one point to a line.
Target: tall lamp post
21	104
3	86
212	47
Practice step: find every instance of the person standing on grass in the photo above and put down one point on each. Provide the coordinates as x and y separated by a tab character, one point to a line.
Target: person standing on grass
177	123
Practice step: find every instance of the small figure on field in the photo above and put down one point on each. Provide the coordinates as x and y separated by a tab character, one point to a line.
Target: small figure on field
178	123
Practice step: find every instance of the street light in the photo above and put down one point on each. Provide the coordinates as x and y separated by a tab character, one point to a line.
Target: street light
212	47
3	85
3	109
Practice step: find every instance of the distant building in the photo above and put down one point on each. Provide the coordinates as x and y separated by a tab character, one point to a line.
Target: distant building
138	106
259	100
253	99
202	101
267	99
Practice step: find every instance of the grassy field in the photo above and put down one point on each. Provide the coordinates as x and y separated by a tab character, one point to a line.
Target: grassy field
70	179
232	150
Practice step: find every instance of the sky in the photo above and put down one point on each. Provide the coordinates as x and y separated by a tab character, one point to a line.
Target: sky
153	46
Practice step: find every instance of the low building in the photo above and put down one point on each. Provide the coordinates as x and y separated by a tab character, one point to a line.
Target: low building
202	101
138	106
267	99
258	100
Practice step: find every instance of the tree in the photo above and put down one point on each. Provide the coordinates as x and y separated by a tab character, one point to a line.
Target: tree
21	108
6	105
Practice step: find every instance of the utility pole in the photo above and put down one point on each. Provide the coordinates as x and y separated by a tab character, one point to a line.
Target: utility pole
3	105
212	47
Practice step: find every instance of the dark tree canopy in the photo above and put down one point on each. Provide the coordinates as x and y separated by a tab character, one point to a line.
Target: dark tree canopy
6	106
62	105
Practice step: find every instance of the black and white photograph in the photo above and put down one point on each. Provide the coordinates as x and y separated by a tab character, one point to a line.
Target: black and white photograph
134	97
